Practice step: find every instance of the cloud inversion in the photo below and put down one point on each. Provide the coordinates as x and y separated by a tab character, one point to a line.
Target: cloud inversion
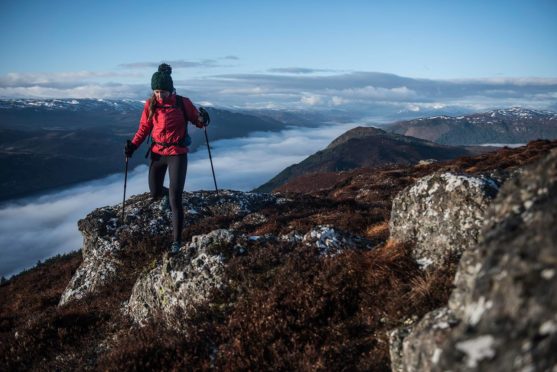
37	228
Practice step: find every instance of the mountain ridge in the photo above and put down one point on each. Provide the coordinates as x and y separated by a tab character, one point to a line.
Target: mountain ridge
513	125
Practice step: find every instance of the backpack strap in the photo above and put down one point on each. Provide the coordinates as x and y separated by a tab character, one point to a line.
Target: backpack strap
182	107
180	104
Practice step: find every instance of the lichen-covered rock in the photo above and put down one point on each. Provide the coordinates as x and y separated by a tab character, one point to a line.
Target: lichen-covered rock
227	203
179	283
330	241
252	219
292	237
104	231
424	337
215	241
442	214
504	307
90	276
396	342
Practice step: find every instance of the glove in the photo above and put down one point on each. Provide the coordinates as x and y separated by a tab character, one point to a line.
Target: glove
204	116
129	149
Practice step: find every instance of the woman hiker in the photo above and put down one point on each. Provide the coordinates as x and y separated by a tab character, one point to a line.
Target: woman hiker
165	117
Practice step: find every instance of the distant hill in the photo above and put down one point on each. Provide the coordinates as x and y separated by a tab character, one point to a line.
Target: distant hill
116	117
366	147
46	144
514	125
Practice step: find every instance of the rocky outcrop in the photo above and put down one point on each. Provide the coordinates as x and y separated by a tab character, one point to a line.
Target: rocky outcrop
106	238
442	213
103	232
173	289
502	314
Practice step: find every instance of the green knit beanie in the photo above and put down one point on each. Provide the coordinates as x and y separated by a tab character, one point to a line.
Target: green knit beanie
161	79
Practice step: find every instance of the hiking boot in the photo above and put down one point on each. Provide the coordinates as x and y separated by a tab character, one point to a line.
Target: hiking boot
165	204
175	248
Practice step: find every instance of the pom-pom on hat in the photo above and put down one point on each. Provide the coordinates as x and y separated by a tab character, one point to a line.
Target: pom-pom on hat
161	79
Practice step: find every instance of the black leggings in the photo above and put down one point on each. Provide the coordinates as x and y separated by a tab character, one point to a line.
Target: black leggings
177	166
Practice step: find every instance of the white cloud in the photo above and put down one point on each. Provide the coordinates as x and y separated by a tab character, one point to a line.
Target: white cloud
299	88
181	63
244	91
15	79
416	107
310	100
84	91
518	81
37	228
297	70
370	91
338	101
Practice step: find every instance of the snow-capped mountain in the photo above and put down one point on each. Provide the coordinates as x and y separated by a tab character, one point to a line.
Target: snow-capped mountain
513	125
71	104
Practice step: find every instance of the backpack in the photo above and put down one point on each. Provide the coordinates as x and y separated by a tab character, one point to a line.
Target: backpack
183	142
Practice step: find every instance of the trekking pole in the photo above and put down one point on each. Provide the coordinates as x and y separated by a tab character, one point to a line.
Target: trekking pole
125	184
211	160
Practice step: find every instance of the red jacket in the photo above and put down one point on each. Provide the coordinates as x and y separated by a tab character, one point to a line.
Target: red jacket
167	125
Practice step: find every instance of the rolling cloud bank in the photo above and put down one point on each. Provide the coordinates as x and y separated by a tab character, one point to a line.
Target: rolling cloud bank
34	229
292	88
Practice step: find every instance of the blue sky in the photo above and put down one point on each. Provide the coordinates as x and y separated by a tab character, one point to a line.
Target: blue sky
92	48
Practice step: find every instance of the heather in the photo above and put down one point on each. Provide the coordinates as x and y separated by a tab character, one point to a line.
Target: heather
286	306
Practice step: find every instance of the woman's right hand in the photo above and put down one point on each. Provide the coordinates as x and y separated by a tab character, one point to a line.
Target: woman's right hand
129	149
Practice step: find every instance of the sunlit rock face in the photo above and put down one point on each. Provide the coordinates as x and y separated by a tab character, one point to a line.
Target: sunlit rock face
107	238
442	213
502	315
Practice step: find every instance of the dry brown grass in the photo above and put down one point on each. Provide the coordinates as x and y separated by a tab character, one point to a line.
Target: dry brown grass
378	230
286	307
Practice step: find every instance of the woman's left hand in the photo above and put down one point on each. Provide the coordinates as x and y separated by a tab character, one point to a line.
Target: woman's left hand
201	123
203	118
